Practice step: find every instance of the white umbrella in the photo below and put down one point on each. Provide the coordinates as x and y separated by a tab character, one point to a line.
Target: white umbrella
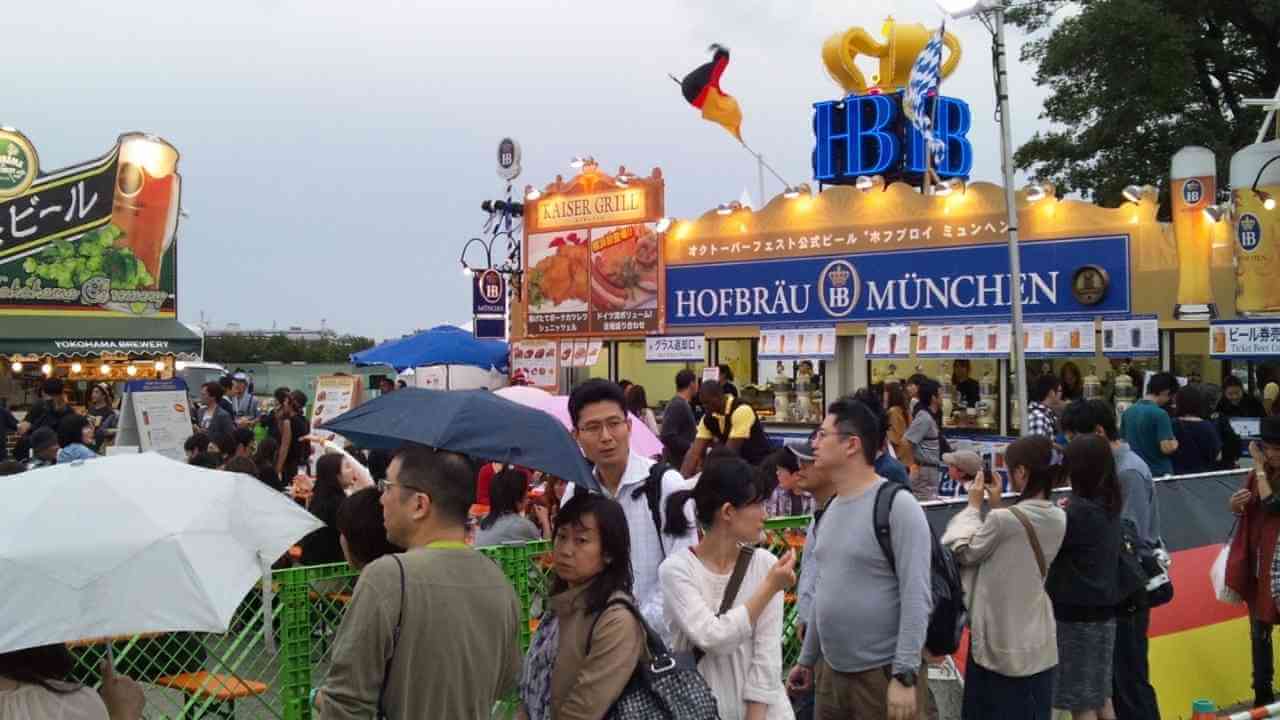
131	544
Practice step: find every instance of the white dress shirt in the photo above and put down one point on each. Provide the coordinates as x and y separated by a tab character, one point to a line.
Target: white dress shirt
646	552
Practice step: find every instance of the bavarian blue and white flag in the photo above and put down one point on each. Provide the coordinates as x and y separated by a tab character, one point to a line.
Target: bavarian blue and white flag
925	74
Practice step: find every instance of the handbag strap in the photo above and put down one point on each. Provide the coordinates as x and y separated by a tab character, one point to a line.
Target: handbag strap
745	553
1035	541
395	642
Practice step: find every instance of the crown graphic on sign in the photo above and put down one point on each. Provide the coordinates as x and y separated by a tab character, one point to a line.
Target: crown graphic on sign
839	277
1248	222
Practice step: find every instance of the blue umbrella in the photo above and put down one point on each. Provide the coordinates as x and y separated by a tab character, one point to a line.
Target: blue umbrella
474	422
441	345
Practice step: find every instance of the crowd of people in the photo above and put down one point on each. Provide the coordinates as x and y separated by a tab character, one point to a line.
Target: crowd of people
667	548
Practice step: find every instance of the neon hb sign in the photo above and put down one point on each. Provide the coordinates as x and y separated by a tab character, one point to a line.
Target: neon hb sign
869	135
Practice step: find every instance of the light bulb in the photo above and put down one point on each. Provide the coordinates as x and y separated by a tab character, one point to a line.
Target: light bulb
16	366
76	367
105	369
131	370
663	225
159	366
47	369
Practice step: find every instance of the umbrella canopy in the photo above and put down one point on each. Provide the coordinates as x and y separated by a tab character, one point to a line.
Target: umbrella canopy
441	345
473	422
643	441
131	544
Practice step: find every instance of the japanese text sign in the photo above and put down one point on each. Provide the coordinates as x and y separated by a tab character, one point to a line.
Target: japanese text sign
1245	339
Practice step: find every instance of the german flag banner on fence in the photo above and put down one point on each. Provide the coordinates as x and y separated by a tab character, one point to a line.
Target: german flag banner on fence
1199	646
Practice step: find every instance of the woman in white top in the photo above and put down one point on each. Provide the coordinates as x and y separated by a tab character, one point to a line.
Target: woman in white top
1012	633
743	646
33	686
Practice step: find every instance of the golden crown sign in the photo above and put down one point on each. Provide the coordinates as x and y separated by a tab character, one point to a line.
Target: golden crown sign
839	277
1248	223
896	55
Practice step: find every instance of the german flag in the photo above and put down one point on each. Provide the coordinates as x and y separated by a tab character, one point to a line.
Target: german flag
702	89
1199	647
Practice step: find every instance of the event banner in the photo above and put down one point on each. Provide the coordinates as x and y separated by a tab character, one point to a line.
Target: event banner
1244	339
888	341
335	394
974	341
155	415
592	256
1136	336
538	360
93	238
1080	277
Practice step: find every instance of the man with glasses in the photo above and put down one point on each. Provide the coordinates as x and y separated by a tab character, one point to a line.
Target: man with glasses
866	636
432	632
599	413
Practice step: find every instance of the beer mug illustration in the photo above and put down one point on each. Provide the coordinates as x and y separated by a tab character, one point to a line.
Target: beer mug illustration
1075	338
968	339
946	340
1135	338
871	341
145	206
1220	340
893	342
992	339
1048	338
1108	338
1255	229
1194	175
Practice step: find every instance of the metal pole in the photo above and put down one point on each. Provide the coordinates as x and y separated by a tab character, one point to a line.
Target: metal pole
760	176
1015	262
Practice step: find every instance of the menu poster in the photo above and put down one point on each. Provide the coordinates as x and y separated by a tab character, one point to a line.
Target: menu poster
155	416
1060	338
929	339
887	341
993	339
539	360
434	377
798	343
1135	336
711	374
593	352
335	394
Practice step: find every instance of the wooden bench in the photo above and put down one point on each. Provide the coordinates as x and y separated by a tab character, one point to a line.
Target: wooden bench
224	689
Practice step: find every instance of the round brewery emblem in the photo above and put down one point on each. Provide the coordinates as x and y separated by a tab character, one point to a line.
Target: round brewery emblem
1249	232
1192	192
491	286
18	163
838	288
508	159
1089	284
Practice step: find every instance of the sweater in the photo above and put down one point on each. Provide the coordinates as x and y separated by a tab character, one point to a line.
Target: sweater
1083	578
743	663
458	650
1011	621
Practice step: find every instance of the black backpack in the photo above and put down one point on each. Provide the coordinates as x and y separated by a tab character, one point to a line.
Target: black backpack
947	621
652	491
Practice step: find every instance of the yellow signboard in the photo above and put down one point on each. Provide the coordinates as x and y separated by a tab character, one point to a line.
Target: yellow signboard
622	205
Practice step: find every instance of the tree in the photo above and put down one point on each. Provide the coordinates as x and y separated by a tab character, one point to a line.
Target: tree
1133	81
231	349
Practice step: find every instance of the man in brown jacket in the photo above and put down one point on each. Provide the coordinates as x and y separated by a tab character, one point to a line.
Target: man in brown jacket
441	639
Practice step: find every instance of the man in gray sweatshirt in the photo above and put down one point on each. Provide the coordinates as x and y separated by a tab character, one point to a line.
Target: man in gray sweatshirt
866	638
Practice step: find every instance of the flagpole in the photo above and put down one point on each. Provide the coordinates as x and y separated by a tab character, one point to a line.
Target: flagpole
760	177
766	166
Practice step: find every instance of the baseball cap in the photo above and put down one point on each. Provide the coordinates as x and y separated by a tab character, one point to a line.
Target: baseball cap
1270	430
43	438
967	461
240	376
801	448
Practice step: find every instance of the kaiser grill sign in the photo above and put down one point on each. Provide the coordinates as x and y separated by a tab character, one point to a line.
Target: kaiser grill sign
963	282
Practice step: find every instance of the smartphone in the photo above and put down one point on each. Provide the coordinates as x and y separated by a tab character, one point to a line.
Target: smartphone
987	477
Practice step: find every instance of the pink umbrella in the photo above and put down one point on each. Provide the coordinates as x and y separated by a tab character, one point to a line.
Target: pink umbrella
643	441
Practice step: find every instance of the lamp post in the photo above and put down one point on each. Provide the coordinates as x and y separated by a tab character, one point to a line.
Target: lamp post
995	8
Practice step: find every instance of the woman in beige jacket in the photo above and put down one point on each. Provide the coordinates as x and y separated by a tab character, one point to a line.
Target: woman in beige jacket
1004	559
561	678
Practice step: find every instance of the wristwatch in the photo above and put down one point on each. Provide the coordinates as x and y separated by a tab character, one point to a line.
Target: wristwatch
906	677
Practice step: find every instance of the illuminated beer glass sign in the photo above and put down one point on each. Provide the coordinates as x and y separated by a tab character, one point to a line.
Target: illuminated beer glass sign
869	135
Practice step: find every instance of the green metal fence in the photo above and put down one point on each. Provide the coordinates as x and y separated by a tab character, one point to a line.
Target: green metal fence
236	675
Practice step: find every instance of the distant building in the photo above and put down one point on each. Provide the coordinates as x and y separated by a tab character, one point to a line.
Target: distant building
293	332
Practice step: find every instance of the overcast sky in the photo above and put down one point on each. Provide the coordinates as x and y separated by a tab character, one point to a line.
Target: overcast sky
334	154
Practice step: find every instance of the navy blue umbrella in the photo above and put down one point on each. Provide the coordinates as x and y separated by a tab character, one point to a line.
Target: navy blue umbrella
474	422
441	345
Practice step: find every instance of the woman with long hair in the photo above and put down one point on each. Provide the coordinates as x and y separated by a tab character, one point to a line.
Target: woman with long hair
265	458
34	685
638	405
588	642
1004	558
506	522
899	412
925	437
743	646
322	546
1072	382
1083	580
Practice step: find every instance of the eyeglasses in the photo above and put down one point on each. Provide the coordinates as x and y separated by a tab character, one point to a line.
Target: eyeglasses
821	434
613	425
387	484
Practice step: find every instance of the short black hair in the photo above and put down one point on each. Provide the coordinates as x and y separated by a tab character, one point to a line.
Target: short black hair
1043	385
1191	401
1232	381
507	489
299	399
51	387
711	389
198	442
731	480
855	418
70	429
226	443
685	378
244	437
225	382
1084	417
726	372
281	394
595	391
446	477
214	389
379	461
210	460
615	545
360	522
917	379
1162	382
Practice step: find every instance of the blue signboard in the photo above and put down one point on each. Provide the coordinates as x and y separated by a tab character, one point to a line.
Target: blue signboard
935	283
865	135
490	328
